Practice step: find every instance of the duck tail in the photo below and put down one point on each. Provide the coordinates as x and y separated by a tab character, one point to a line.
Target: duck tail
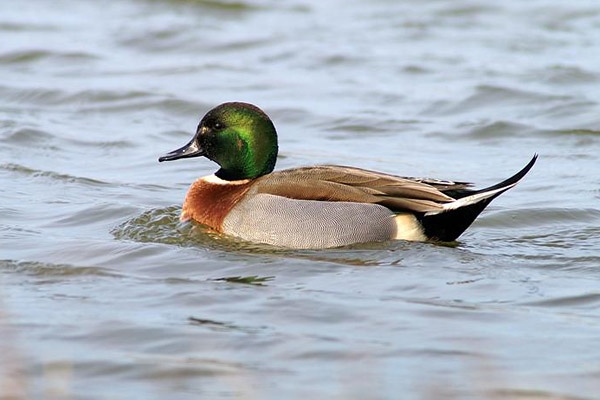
448	224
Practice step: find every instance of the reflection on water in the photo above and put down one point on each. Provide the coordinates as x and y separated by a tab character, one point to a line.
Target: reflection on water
105	294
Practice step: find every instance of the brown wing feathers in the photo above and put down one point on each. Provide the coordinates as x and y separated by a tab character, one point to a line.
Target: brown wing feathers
336	183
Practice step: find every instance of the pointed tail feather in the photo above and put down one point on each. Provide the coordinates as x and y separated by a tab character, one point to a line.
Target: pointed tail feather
457	216
513	180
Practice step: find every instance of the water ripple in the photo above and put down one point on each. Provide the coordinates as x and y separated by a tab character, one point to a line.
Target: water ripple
44	269
223	5
495	96
52	175
32	56
157	225
534	217
588	300
563	75
101	100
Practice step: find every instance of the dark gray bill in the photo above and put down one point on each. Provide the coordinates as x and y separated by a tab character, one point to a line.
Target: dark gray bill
192	149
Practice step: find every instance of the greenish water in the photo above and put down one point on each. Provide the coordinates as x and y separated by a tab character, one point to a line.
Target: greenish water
104	294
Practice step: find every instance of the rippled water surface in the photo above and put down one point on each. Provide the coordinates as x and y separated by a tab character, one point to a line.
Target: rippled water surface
103	294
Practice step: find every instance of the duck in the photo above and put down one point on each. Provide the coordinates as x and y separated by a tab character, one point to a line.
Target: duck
315	207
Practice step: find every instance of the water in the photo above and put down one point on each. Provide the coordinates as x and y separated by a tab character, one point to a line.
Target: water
103	294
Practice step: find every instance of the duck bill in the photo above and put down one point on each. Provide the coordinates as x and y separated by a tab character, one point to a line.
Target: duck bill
192	149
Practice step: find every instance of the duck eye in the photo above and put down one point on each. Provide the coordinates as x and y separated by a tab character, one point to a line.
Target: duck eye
218	126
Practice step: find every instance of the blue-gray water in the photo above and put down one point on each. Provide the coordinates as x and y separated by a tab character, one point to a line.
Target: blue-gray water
104	295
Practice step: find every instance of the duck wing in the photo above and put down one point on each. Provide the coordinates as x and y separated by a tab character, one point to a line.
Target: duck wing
349	184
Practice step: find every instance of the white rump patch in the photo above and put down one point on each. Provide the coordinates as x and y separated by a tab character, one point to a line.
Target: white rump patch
408	228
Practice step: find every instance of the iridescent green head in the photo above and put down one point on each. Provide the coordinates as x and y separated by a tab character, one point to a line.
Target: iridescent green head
239	137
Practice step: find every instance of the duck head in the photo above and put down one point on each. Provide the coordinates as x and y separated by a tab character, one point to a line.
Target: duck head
239	137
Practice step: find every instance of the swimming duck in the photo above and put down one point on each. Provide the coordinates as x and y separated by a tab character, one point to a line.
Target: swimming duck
315	207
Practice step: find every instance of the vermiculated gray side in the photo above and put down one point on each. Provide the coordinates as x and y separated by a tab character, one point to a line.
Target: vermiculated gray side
308	224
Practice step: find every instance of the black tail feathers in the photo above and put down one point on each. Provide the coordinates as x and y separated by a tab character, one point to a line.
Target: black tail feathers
449	224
